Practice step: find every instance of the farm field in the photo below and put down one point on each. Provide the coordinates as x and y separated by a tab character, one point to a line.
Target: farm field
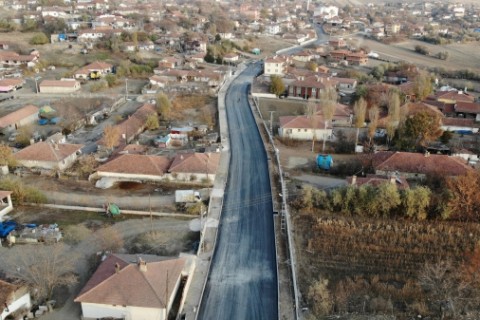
461	56
373	265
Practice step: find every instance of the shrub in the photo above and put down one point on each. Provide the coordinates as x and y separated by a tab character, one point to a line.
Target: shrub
20	193
39	39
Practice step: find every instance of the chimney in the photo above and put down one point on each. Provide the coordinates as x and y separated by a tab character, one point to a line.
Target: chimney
117	268
354	180
393	179
142	265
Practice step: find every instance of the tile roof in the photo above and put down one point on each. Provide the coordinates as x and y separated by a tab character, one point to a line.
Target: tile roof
98	65
59	83
131	286
44	151
195	163
11	82
410	162
467	107
460	122
301	122
18	115
137	164
454	95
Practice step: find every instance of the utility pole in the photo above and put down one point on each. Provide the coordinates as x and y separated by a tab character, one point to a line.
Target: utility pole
126	89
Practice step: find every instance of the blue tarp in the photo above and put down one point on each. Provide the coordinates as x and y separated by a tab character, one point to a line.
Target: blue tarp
324	161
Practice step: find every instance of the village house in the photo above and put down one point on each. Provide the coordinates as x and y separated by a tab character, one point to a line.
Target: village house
310	87
342	115
276	65
304	128
417	165
135	167
9	85
99	67
59	86
231	57
16	119
142	287
131	127
353	58
15	300
467	110
48	156
11	58
194	167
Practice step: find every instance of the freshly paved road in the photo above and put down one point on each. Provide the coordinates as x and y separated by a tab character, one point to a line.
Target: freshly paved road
243	277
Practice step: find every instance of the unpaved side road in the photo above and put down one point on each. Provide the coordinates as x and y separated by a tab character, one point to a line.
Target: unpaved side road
177	228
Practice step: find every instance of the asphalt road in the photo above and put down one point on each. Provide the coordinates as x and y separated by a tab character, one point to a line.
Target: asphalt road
242	283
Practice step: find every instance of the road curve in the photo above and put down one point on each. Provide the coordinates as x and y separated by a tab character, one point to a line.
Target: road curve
242	283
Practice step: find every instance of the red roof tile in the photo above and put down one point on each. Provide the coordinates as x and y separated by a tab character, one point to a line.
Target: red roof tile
410	162
137	164
44	151
301	122
195	163
18	115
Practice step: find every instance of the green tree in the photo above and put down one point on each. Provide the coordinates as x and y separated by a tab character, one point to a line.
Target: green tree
387	198
29	25
111	80
420	129
152	122
277	86
393	113
422	85
164	106
359	112
312	66
6	156
39	39
415	202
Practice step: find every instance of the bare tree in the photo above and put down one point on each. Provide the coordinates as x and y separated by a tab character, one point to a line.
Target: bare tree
359	110
328	101
111	136
6	156
109	239
43	268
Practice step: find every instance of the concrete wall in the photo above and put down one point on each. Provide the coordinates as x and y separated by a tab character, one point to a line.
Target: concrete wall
304	134
96	311
48	89
20	303
49	165
23	122
131	177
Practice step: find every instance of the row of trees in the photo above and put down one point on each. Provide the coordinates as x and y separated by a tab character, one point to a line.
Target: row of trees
454	198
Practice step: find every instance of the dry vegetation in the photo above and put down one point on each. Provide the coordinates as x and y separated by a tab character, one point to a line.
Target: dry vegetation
198	109
373	266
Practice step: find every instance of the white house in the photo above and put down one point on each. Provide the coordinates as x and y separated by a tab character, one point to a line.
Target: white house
132	287
275	66
13	299
328	12
272	29
304	128
45	155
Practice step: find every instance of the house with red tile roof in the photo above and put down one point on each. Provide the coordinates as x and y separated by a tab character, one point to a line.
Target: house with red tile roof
16	119
99	67
13	297
59	86
417	165
466	109
453	96
8	85
130	128
135	167
304	128
45	155
194	167
460	124
142	287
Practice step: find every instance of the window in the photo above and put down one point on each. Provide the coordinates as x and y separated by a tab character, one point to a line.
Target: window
305	130
298	130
